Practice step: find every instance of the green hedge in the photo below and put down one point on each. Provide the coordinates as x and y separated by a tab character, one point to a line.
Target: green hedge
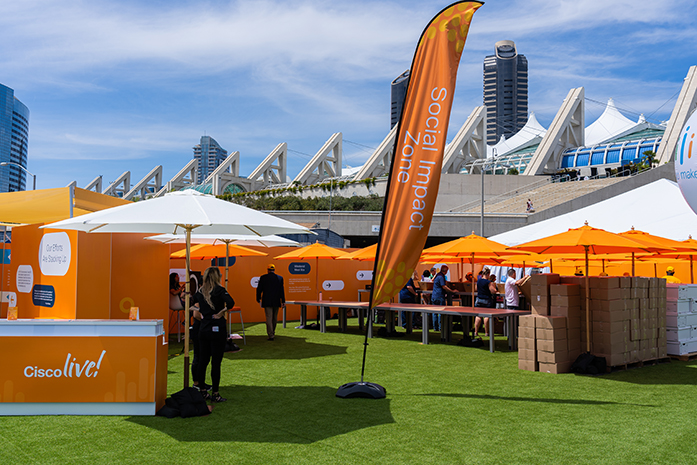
372	202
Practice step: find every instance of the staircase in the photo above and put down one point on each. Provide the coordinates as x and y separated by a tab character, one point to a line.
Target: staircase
544	195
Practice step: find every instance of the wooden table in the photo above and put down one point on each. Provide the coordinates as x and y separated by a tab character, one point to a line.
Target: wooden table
448	312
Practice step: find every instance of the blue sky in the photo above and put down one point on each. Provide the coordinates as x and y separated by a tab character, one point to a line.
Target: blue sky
128	85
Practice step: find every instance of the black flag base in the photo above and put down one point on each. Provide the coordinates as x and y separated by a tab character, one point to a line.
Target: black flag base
361	389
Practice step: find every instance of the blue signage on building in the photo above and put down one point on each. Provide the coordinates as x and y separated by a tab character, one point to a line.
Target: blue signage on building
299	268
43	295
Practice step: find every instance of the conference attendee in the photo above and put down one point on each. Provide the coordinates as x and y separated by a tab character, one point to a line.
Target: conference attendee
408	294
511	290
212	301
670	278
484	299
440	290
176	290
426	276
493	288
271	296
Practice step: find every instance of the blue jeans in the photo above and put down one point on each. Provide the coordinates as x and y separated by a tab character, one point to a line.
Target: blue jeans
436	317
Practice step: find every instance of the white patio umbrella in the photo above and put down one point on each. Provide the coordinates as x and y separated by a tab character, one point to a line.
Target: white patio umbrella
182	211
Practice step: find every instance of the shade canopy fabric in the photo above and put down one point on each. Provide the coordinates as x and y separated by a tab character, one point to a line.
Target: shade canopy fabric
237	239
468	245
174	211
366	254
315	250
581	240
46	205
217	250
657	208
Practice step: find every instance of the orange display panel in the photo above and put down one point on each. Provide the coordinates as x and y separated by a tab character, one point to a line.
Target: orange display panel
78	369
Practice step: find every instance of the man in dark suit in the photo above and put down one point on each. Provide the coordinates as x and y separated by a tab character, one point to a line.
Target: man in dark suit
271	296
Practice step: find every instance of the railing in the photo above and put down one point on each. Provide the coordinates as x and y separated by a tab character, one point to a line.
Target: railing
501	197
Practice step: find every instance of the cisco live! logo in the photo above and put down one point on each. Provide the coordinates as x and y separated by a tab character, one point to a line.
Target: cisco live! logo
686	162
72	368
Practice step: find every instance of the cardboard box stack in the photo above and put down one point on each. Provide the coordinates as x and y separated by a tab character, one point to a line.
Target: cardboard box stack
627	321
681	319
549	337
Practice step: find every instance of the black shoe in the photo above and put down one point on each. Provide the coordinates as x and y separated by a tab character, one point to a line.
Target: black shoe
270	339
216	397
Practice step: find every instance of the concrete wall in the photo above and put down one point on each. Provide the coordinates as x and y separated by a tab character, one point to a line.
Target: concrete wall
459	189
455	189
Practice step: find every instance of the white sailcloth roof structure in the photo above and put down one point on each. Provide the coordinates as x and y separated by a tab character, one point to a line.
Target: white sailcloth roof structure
530	134
610	124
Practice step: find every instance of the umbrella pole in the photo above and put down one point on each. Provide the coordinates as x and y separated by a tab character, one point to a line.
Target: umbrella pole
186	307
473	283
524	270
655	270
227	262
633	274
692	276
588	306
603	260
551	267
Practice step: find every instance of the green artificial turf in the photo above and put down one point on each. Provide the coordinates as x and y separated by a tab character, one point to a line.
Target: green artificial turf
445	404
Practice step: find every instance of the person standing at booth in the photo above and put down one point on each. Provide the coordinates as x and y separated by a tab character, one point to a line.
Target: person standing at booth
438	297
511	290
271	296
213	301
484	299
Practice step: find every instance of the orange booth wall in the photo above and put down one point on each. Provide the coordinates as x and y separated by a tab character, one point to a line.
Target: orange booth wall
104	276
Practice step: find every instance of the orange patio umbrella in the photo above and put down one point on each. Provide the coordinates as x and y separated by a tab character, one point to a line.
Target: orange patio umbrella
366	254
586	240
473	247
686	250
218	250
315	251
655	244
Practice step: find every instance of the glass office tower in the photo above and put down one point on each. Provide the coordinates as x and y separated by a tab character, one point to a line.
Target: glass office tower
398	94
209	155
505	91
14	139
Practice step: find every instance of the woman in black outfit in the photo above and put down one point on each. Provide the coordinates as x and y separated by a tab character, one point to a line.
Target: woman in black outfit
213	301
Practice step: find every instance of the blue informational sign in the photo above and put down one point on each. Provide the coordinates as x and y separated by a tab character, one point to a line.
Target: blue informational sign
299	268
43	295
5	257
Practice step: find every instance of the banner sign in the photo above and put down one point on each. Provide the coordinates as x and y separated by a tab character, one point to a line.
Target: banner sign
78	369
686	163
418	154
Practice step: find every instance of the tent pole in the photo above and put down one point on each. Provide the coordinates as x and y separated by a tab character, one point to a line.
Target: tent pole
186	307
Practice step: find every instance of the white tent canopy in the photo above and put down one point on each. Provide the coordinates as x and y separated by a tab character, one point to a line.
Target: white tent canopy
657	208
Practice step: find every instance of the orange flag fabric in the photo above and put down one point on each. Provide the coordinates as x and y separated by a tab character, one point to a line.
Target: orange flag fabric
418	155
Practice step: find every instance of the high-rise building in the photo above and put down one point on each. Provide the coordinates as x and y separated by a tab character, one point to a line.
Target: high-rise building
14	140
398	92
505	91
209	155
